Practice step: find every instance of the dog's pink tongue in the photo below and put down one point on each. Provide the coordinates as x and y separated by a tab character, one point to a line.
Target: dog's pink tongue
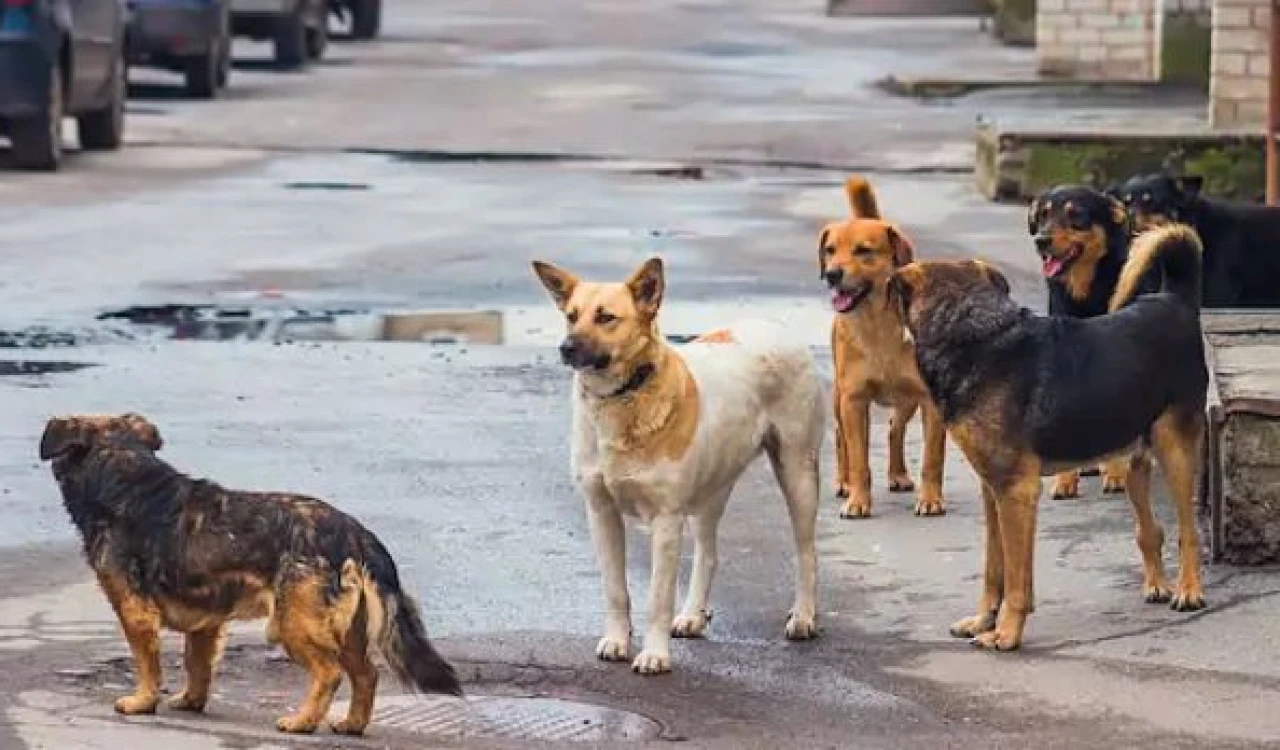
841	300
1053	266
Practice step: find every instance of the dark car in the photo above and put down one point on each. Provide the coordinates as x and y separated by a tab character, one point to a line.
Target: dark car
298	28
364	16
61	58
191	37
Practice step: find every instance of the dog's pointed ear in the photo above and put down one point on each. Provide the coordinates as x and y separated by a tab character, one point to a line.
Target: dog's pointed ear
61	436
145	431
903	251
1189	185
993	275
559	282
647	285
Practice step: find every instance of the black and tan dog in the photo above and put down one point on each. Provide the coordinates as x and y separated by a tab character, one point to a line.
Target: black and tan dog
1241	240
873	359
1082	237
187	554
1026	396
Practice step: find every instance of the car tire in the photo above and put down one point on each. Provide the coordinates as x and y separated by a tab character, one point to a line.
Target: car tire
103	129
318	38
201	74
291	38
366	19
224	58
37	140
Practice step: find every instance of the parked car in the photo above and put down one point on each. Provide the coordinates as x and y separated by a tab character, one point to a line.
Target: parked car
365	16
298	28
61	58
191	37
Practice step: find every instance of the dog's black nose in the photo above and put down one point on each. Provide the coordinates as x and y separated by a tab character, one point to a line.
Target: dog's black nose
1043	241
833	276
569	351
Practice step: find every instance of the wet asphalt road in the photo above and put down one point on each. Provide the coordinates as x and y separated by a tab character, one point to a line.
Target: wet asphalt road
339	188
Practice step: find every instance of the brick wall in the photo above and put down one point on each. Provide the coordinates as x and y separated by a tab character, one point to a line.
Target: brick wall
1239	63
1100	39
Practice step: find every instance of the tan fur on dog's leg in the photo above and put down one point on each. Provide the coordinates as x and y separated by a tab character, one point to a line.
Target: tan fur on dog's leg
1177	448
992	573
655	657
609	537
842	458
1150	537
796	469
140	621
1017	508
930	502
201	654
1114	474
1066	484
899	478
692	622
856	427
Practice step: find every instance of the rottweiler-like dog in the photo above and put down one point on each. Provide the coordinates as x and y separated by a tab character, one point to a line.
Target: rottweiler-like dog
190	555
1082	238
1026	396
1241	240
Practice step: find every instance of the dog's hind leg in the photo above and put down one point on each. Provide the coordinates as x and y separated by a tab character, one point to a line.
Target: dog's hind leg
1066	484
364	681
796	466
200	658
655	658
899	476
1155	587
140	621
307	636
692	622
1176	442
1115	474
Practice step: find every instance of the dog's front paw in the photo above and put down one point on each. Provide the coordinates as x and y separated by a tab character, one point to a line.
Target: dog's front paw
296	724
901	483
973	626
1156	593
690	626
184	701
652	662
929	503
801	626
1066	485
347	728
138	703
857	506
1187	601
997	640
613	648
1113	483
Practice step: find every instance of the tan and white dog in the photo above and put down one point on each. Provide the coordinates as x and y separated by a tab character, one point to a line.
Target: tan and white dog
663	433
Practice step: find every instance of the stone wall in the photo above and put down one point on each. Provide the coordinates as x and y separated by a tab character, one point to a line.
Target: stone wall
1240	66
1097	39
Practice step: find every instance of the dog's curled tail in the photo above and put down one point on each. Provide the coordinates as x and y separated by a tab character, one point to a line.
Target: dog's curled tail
1176	250
862	199
396	628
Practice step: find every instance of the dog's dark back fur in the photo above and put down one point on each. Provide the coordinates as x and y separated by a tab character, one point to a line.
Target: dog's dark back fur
1074	389
1241	240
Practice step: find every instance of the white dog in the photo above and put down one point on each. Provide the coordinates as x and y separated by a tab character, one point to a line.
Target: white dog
664	433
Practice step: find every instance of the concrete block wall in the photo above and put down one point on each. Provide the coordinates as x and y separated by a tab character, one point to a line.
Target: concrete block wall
1239	63
1098	39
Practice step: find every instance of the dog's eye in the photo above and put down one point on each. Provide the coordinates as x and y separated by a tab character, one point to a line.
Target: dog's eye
863	251
571	316
604	318
829	250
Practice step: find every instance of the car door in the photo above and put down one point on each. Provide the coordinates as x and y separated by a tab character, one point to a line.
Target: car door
95	32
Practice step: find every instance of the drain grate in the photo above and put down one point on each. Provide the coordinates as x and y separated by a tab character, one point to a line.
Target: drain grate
510	718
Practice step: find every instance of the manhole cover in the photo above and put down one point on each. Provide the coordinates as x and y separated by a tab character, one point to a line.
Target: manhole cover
510	718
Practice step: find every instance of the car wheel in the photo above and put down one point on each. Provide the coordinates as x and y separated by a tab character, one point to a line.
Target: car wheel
202	74
366	19
291	38
37	140
103	130
224	58
318	39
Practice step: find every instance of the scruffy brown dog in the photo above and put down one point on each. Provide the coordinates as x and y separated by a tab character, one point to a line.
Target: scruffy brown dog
186	554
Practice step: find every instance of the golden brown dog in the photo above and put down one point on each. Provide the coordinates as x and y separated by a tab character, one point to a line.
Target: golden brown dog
874	359
186	554
1027	396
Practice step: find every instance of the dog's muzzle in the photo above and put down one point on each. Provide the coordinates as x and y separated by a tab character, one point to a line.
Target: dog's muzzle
581	356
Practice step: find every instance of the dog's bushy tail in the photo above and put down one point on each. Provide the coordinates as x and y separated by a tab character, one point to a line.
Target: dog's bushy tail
862	199
396	628
1174	249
